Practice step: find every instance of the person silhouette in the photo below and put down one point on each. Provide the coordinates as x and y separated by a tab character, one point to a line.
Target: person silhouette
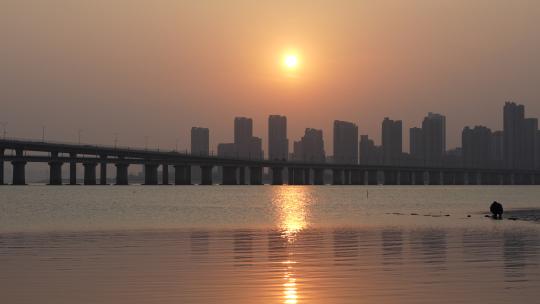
496	210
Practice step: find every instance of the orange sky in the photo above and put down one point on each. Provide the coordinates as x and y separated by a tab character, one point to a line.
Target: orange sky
156	68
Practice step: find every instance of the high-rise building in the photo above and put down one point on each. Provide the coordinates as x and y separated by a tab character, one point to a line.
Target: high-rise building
434	131
227	150
416	143
538	150
514	115
310	147
476	147
370	154
392	141
496	153
345	142
247	146
278	143
200	141
528	143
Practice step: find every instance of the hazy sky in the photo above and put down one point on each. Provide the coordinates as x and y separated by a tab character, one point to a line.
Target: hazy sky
156	68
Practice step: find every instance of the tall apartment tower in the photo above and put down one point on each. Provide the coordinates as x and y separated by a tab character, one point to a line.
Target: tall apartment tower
247	146
345	142
416	144
392	141
476	146
278	143
200	141
369	153
513	116
310	147
434	131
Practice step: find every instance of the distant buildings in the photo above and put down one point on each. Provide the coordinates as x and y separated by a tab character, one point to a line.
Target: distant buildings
345	142
278	143
392	141
369	153
416	144
245	145
200	141
476	147
310	147
520	135
434	134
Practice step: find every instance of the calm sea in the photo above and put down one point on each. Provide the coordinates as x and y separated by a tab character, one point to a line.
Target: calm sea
268	244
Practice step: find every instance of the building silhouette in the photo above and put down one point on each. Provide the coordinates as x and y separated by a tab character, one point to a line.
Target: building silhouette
345	142
278	143
370	154
416	145
392	141
200	141
247	146
496	151
476	146
310	147
520	136
434	138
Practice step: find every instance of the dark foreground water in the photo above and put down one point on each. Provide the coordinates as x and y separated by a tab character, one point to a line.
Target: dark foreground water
268	245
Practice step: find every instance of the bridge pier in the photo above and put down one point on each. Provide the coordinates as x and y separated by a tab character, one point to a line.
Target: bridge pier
472	178
298	174
346	177
165	174
449	178
277	175
151	174
337	177
434	177
19	175
405	178
229	175
55	172
290	176
122	174
2	167
318	176
372	177
307	176
418	178
206	175
182	175
255	175
390	177
103	170
89	173
73	169
357	177
241	175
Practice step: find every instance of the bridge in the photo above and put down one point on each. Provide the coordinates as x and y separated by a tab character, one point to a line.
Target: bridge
20	152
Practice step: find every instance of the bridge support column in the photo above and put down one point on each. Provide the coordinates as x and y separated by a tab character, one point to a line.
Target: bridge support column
151	174
418	178
459	178
103	170
73	169
307	176
206	175
229	175
182	175
298	176
2	167
372	177
337	177
241	175
290	176
55	172
346	177
390	177
165	174
472	178
277	175
405	177
122	174
434	177
89	173
449	178
19	176
318	176
357	177
255	175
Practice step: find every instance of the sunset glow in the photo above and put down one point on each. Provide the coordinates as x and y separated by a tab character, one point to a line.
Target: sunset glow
291	61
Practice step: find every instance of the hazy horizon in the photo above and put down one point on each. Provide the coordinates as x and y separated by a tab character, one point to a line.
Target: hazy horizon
156	69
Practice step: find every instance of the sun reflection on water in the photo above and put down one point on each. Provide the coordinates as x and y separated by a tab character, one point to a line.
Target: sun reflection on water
292	205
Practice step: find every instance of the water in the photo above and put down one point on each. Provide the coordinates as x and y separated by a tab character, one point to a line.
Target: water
264	244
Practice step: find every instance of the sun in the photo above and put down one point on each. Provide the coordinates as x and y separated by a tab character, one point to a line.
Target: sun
290	61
